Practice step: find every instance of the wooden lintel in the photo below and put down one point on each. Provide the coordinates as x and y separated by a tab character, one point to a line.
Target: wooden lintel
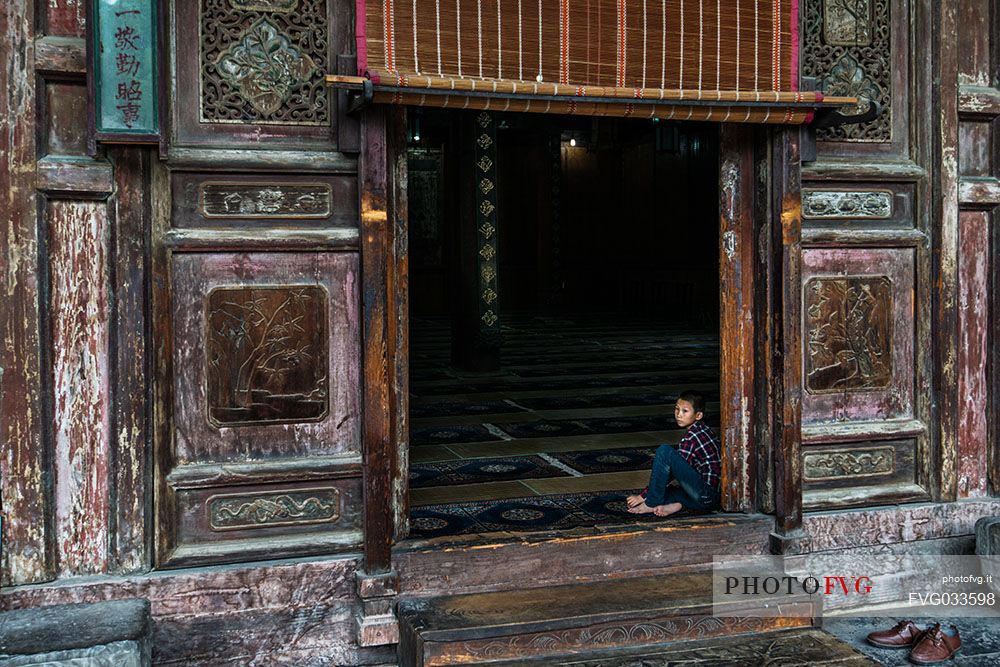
78	178
61	55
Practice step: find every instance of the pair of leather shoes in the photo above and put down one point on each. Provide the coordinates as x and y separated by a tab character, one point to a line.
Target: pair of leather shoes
927	647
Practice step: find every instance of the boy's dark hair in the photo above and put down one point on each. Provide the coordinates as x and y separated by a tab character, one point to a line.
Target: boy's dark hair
695	398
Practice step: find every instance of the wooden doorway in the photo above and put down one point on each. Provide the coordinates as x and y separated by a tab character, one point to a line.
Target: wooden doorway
743	206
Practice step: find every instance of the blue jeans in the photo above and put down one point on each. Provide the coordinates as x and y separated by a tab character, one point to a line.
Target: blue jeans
692	492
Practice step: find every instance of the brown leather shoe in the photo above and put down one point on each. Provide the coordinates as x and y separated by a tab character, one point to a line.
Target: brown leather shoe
935	646
903	635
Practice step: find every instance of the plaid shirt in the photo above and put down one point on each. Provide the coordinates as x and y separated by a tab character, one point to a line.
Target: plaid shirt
701	448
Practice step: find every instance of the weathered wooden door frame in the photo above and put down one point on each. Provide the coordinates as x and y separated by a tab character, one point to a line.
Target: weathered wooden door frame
759	378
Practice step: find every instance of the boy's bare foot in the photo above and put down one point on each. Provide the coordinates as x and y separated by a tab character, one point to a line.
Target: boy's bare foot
634	501
667	510
641	508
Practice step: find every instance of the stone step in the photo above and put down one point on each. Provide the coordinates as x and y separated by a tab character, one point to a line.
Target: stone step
788	648
569	619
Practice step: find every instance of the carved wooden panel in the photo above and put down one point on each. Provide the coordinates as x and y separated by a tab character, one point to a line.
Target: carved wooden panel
240	200
265	520
265	356
843	463
849	334
860	473
265	200
250	72
263	63
848	47
234	511
847	204
858	335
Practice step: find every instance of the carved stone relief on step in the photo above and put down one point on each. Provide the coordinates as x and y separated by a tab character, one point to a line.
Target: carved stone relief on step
848	334
847	47
263	63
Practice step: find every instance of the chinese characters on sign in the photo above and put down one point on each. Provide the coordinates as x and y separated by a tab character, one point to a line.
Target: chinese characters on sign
126	88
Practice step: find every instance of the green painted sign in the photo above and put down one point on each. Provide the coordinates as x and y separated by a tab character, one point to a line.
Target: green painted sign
125	77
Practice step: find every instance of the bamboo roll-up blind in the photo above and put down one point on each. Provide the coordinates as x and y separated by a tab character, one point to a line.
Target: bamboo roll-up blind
736	58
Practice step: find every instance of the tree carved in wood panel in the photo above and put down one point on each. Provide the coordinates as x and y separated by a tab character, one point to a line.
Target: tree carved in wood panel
267	356
848	49
849	334
263	63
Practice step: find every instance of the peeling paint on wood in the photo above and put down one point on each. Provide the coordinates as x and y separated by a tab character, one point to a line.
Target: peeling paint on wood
26	556
973	329
66	18
841	530
80	334
130	439
291	614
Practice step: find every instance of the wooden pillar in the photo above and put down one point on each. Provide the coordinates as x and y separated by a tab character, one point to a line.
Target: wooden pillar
382	174
475	319
786	239
736	285
24	469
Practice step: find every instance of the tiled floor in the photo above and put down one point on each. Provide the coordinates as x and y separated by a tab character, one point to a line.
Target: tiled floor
980	639
581	384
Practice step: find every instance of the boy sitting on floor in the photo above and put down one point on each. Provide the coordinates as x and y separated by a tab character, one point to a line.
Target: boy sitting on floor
694	466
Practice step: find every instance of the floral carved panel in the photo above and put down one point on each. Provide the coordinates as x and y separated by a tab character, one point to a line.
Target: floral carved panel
263	61
267	355
265	200
849	333
847	48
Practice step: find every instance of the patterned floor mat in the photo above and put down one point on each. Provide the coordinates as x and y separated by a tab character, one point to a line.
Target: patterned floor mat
462	408
608	460
482	470
444	435
527	514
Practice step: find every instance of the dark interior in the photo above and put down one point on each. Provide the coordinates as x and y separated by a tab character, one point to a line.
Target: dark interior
608	303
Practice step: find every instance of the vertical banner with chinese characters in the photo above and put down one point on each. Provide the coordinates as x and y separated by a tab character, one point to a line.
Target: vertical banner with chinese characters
124	58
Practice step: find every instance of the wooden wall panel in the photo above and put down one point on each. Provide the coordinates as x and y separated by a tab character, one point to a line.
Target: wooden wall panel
23	465
867	205
294	614
978	111
973	327
65	18
79	312
130	490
